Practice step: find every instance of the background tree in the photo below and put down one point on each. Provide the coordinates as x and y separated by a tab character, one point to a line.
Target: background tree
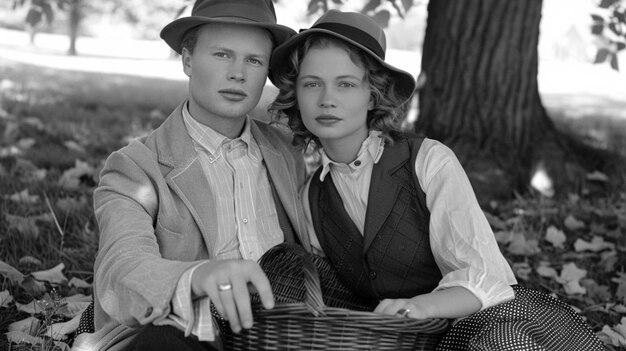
144	16
609	27
36	12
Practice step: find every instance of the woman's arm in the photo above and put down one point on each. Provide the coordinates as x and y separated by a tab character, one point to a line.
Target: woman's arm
475	274
454	302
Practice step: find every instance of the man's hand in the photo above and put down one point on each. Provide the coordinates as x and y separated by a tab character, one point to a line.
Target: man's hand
225	282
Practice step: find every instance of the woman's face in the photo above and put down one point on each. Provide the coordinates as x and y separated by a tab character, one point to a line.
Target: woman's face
333	96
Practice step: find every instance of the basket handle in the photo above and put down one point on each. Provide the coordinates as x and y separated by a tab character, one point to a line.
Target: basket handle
313	292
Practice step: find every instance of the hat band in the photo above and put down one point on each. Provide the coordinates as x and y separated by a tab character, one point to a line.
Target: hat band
356	35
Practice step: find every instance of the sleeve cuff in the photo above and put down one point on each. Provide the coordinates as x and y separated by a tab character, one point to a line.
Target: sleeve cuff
496	293
191	316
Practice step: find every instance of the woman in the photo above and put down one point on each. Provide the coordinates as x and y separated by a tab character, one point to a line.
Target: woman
395	213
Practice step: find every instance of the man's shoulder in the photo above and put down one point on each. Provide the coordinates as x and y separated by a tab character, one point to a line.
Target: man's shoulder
274	132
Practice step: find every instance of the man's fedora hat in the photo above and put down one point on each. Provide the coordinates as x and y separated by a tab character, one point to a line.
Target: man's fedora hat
257	13
354	28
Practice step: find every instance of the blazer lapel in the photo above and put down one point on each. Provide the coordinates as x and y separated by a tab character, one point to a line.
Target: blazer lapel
383	190
186	178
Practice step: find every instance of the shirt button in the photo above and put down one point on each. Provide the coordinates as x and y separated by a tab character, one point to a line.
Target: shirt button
357	163
372	275
245	220
148	312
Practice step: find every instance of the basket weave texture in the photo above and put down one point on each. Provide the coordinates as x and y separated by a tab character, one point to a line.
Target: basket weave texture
315	311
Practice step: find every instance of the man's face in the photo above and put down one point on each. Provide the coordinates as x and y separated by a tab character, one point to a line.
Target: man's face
227	72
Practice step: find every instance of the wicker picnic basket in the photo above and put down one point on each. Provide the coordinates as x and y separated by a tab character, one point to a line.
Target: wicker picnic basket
315	311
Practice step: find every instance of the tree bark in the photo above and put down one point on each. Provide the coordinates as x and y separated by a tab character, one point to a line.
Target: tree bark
481	95
74	24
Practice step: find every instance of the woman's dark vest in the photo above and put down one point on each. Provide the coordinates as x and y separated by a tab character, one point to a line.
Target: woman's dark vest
393	258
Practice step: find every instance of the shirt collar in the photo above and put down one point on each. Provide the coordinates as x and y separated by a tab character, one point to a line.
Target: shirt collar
212	141
370	152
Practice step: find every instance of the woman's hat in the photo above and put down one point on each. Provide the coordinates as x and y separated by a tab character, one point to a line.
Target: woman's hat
257	13
354	28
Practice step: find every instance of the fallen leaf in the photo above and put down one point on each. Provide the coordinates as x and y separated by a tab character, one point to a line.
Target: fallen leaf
619	308
78	283
542	182
25	197
44	217
570	279
617	334
547	272
503	237
79	298
556	237
620	292
9	151
74	308
70	204
5	298
495	222
74	146
59	331
596	244
53	275
597	176
608	260
25	143
11	131
520	246
30	261
24	168
29	326
572	223
33	286
522	270
573	198
598	228
599	293
71	178
25	226
35	122
7	271
31	308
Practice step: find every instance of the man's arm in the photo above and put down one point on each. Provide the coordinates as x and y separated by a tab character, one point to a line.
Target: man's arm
134	282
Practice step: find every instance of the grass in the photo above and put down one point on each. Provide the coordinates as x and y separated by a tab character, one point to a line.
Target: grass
100	113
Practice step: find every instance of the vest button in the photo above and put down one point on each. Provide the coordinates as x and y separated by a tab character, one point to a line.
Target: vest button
372	275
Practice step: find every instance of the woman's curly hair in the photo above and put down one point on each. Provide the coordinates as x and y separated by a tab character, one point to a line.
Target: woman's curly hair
388	108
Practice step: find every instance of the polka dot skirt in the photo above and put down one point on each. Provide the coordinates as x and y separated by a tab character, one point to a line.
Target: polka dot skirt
532	321
85	325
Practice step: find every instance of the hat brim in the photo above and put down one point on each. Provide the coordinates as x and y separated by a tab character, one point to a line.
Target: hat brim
173	32
405	83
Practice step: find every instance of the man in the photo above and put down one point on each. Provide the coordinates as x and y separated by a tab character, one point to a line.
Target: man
185	213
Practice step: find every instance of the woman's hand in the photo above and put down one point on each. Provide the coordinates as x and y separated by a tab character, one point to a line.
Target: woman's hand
454	302
403	308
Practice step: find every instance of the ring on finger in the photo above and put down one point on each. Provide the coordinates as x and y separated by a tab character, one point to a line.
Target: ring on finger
403	312
224	287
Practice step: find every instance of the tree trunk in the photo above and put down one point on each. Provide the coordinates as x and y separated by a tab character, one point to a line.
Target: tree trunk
481	95
74	23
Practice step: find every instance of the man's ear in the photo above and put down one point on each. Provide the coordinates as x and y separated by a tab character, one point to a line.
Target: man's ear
186	58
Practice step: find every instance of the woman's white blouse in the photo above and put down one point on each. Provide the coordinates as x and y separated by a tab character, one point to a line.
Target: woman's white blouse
461	239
